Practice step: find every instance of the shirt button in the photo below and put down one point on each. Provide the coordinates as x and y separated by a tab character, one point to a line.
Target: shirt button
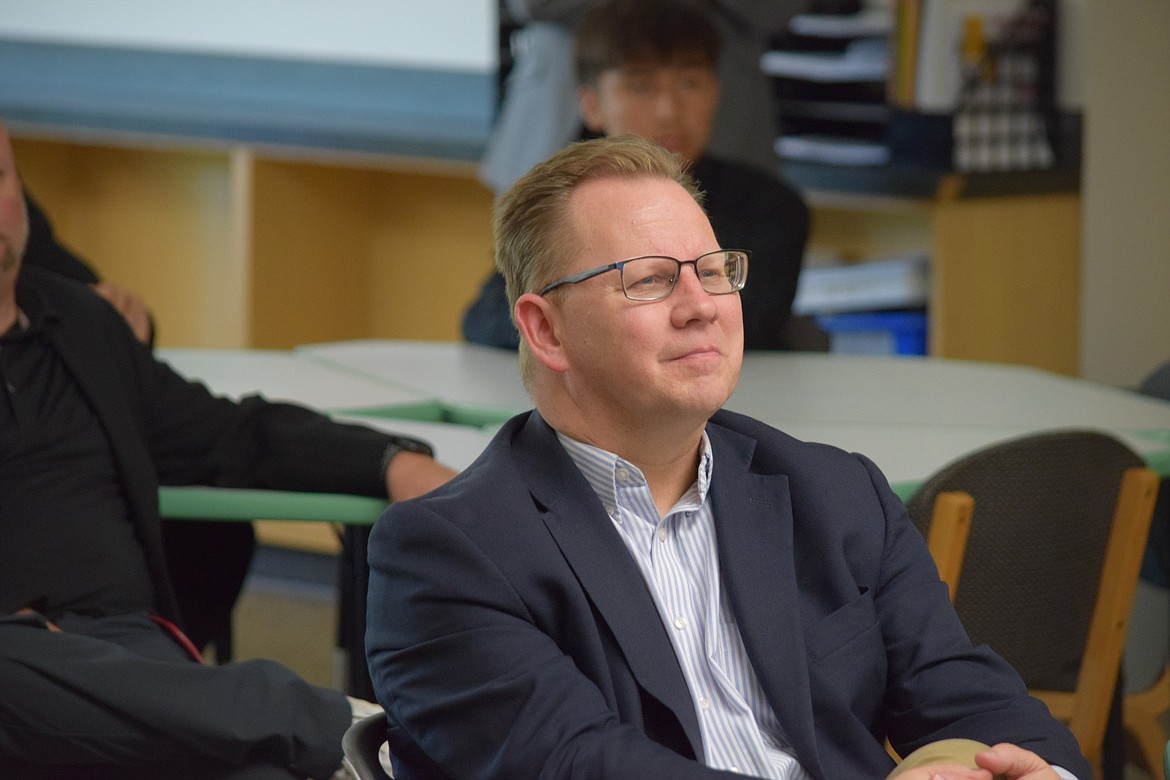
704	704
662	534
623	475
680	623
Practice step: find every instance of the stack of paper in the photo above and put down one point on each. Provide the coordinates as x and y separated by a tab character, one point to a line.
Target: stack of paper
891	283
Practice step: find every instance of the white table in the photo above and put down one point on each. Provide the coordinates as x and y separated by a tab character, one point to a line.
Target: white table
919	390
913	415
286	376
476	385
910	415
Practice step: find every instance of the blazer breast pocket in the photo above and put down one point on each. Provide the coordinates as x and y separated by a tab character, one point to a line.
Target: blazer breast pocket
847	662
842	629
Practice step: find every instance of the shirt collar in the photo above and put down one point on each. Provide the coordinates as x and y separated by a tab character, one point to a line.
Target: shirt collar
605	471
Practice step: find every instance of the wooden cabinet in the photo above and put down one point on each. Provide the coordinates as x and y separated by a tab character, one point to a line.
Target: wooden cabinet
234	246
1005	253
239	246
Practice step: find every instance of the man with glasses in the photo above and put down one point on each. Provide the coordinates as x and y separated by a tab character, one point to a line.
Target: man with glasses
632	583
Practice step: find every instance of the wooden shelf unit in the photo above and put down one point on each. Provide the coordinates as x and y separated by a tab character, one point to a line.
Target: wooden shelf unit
1005	257
234	246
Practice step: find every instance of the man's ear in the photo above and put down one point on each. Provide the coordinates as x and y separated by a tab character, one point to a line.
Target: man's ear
589	106
540	326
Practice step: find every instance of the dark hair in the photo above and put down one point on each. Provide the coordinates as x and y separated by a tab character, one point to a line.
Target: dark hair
619	32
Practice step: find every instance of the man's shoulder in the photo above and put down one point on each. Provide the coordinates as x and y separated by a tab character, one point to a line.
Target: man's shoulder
499	473
40	278
66	298
737	184
497	501
712	170
774	451
79	309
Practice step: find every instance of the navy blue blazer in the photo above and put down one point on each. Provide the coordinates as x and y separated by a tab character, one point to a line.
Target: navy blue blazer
511	634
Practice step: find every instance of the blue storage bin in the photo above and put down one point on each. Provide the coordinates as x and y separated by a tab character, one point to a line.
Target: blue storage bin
876	332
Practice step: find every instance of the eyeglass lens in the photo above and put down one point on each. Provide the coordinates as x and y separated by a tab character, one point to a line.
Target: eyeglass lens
652	278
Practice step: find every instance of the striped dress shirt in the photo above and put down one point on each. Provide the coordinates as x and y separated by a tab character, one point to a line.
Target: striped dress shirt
678	559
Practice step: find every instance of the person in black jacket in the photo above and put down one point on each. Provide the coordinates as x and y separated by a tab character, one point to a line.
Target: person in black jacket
97	678
648	67
208	562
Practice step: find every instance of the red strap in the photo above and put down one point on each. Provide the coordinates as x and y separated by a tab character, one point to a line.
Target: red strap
178	635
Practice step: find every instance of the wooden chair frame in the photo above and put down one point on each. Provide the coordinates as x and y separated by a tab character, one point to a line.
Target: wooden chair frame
1086	709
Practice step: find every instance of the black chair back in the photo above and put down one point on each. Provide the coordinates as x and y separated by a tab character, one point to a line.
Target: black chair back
1044	506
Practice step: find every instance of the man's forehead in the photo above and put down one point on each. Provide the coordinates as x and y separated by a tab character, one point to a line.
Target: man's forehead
597	190
613	205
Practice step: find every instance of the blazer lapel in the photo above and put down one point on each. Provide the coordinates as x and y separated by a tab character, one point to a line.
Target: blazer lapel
591	545
754	532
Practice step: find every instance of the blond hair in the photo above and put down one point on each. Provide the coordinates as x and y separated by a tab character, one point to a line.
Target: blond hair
533	240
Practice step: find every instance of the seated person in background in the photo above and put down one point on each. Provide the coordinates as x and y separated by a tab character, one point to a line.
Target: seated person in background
631	582
207	562
647	67
538	113
96	680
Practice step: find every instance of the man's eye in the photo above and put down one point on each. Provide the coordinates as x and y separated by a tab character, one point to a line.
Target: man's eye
651	280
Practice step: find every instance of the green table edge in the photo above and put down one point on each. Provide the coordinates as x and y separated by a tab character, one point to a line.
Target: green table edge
420	411
235	504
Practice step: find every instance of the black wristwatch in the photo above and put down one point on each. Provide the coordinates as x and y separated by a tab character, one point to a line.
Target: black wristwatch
402	445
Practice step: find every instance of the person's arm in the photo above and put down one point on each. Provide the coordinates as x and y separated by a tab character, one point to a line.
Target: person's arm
410	474
132	308
461	667
197	438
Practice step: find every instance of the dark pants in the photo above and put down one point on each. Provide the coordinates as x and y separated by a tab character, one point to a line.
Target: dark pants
118	697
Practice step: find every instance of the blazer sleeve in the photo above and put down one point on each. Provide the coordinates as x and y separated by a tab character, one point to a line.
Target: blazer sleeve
939	685
195	437
472	686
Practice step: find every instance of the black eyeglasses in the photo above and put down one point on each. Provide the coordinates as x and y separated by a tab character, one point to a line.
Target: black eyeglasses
652	278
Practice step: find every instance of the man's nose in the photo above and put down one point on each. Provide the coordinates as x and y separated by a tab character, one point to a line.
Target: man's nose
666	103
688	283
